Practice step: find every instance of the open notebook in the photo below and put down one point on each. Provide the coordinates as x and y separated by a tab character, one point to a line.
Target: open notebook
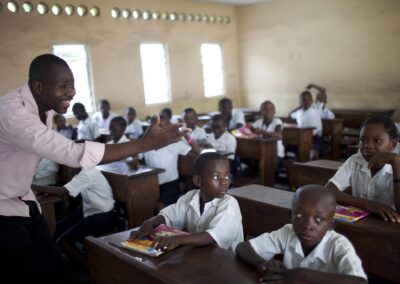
349	214
144	245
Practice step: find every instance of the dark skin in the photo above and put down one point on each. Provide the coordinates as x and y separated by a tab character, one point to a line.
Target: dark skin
213	183
306	102
80	113
105	110
376	146
226	111
312	217
268	113
116	131
321	96
56	91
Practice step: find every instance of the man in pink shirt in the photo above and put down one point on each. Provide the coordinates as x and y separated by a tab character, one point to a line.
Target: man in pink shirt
27	252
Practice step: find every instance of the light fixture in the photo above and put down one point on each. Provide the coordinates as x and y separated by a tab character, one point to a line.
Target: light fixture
136	14
69	10
146	15
182	17
94	11
227	20
12	6
211	18
164	16
42	8
27	7
56	9
204	18
189	17
172	16
197	17
155	15
82	10
126	13
115	13
219	19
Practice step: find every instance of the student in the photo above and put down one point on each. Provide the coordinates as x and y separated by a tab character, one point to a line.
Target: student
61	127
46	173
312	251
87	128
307	116
104	116
134	128
198	135
207	213
117	130
269	126
220	139
167	159
96	217
373	173
233	117
167	113
28	253
321	101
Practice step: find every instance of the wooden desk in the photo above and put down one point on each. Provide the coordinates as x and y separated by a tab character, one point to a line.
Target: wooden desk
354	118
198	265
262	149
313	172
302	137
47	204
333	129
139	189
376	242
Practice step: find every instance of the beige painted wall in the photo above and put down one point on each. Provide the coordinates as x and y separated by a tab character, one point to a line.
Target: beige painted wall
352	47
114	50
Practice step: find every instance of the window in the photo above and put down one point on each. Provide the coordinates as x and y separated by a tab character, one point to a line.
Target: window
77	59
213	70
155	73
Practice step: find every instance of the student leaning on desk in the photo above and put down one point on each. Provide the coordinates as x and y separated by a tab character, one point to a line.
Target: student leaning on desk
27	250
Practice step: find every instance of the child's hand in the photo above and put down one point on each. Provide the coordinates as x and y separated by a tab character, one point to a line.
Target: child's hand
272	266
145	230
387	213
166	243
380	159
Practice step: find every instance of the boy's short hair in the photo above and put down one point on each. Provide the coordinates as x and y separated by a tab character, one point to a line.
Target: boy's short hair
104	101
387	123
267	102
316	190
224	101
40	66
305	93
167	112
131	109
189	109
119	120
77	107
203	160
218	117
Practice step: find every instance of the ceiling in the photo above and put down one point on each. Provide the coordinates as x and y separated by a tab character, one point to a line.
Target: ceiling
233	2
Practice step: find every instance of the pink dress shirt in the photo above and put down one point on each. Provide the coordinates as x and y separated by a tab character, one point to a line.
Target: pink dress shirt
24	140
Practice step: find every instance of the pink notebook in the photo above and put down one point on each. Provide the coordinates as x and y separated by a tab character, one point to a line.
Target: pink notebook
349	213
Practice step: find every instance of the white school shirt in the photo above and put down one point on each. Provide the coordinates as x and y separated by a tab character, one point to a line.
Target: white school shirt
355	173
167	158
271	128
221	218
324	111
103	124
225	143
237	117
87	130
46	173
134	129
334	253
308	118
198	134
96	192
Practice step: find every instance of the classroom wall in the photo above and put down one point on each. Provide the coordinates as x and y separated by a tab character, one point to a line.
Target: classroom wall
114	50
352	47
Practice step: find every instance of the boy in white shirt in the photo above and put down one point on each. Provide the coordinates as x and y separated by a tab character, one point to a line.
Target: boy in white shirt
134	128
208	214
307	116
321	101
234	118
220	139
198	134
312	251
104	116
87	128
167	159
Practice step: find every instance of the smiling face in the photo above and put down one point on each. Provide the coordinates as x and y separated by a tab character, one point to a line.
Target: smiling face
374	139
56	90
312	217
214	180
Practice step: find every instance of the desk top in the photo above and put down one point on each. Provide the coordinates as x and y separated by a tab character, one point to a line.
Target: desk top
324	164
208	264
122	168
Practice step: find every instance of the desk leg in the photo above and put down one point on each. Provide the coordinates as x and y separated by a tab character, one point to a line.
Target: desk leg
268	163
49	216
336	139
304	146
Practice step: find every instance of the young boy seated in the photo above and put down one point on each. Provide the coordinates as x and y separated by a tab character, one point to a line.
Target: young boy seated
104	116
87	128
321	101
134	128
220	139
167	159
61	127
198	135
312	251
117	130
234	118
307	116
207	213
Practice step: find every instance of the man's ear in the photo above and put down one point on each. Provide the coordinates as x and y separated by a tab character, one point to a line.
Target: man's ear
36	86
197	181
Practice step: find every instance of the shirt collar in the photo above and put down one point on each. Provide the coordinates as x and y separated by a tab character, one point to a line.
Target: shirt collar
29	102
195	202
386	169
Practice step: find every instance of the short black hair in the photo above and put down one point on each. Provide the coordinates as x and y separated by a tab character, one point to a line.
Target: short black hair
387	123
217	117
40	66
78	107
131	109
224	101
305	93
189	109
265	103
316	191
167	112
203	160
104	101
119	120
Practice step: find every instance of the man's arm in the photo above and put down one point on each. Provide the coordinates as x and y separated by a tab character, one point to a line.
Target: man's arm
53	190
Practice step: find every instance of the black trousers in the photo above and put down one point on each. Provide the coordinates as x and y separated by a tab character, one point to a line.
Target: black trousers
27	251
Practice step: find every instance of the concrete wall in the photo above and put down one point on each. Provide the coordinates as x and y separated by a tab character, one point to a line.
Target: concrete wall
352	47
114	50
